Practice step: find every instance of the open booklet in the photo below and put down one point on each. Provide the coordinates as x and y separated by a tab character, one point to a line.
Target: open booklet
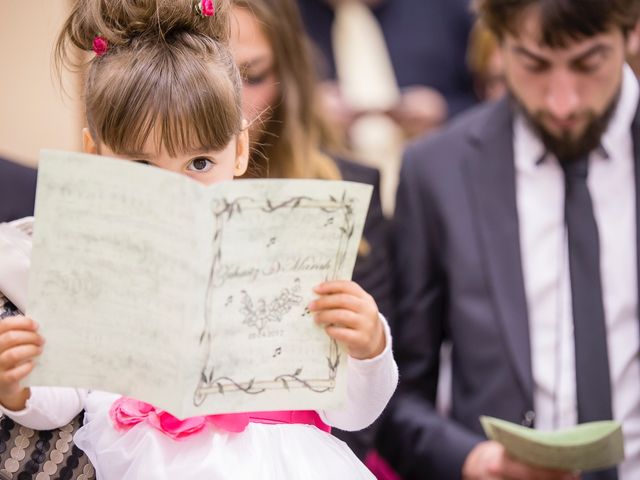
585	447
190	297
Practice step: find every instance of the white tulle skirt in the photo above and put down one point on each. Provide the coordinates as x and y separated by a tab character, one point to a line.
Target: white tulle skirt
261	452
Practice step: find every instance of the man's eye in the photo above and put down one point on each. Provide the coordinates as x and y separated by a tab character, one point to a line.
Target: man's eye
587	67
201	165
535	67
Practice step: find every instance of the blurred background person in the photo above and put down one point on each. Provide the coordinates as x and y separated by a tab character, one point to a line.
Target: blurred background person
426	41
290	137
393	70
486	63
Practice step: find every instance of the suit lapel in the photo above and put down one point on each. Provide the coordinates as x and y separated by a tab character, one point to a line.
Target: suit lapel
490	176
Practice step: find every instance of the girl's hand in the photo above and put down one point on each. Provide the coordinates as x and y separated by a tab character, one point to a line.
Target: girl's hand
20	345
350	316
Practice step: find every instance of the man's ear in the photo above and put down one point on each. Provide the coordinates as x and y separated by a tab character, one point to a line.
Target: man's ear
88	144
633	41
242	152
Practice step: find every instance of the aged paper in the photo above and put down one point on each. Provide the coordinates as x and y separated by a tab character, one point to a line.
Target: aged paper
192	298
585	447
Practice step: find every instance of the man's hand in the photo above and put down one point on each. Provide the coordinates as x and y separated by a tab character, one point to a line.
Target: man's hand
489	461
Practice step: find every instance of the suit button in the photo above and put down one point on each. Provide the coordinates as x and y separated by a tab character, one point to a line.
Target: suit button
528	419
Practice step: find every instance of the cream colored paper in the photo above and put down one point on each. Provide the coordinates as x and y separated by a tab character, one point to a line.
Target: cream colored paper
192	298
585	447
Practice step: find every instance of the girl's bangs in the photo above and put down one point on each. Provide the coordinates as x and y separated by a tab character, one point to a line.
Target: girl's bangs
185	106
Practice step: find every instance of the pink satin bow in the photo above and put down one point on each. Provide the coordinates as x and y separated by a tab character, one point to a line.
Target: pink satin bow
127	412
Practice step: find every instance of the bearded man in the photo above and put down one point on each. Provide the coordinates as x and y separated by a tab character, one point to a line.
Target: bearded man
517	242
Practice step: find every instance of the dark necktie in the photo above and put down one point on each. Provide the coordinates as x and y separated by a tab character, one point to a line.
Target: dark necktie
593	385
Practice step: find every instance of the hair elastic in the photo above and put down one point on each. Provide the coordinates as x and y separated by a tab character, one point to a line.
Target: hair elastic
100	45
205	8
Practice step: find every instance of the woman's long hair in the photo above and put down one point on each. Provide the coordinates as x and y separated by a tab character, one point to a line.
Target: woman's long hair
294	132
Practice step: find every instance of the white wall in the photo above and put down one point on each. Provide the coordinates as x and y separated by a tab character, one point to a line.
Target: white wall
34	113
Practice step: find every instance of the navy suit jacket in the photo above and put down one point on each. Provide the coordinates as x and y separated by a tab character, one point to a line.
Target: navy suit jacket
427	42
459	279
17	190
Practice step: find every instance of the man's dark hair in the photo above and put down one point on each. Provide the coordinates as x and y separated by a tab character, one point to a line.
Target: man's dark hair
561	20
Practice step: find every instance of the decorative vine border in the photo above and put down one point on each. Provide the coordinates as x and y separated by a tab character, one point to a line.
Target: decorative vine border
223	211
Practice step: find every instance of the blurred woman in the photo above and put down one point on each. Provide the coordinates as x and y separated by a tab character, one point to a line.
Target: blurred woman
290	137
485	62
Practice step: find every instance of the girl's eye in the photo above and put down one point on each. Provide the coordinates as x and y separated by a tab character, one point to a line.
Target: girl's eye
200	165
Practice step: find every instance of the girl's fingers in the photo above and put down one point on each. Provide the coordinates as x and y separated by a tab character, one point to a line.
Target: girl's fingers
13	338
339	318
337	300
16	356
348	328
340	286
17	374
346	336
19	322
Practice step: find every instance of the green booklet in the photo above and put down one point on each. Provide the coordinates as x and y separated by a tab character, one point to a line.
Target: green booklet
585	447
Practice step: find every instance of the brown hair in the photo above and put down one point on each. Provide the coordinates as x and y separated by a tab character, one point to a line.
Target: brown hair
294	131
561	20
168	72
482	44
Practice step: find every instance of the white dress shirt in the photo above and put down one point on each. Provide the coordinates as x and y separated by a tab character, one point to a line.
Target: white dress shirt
543	242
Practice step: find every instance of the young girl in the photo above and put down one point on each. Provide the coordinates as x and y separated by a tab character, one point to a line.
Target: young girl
162	89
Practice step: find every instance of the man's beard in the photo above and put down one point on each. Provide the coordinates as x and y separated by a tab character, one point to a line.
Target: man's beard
567	147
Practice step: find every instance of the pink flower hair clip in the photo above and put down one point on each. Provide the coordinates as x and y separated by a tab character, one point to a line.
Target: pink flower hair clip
205	8
100	45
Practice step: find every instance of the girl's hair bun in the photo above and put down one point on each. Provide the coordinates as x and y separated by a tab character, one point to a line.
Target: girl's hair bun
162	69
121	22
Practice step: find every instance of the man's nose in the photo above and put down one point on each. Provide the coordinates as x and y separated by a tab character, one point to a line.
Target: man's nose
562	99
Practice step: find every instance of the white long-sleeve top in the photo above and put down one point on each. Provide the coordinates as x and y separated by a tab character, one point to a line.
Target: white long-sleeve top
370	385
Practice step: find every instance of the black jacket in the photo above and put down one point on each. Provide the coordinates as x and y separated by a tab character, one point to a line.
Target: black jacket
17	190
